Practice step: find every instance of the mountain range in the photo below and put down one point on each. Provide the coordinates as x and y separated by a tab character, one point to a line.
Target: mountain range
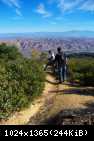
75	34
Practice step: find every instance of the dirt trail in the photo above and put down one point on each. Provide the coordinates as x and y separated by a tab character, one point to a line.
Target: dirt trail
54	99
23	117
67	99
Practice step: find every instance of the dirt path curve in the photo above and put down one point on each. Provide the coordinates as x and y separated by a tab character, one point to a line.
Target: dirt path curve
55	98
66	98
23	117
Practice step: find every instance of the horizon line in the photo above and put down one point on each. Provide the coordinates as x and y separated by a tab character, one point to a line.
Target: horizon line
47	31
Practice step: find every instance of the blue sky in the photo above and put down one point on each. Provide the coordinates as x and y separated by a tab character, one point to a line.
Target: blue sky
46	15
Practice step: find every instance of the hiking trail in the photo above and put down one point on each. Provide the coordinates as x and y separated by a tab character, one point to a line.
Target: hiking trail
56	99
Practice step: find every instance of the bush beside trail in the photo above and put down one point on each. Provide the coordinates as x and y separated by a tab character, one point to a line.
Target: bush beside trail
82	70
21	80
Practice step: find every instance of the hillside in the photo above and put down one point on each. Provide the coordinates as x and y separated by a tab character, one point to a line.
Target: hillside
23	100
69	45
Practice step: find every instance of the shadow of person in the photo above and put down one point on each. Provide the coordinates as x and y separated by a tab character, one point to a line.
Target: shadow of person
53	83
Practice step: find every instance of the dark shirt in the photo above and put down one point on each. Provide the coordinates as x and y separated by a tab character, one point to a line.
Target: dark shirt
60	59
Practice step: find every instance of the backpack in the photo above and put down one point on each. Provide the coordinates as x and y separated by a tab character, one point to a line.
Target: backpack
60	58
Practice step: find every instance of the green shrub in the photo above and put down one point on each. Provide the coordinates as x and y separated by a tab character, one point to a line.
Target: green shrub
21	80
82	70
9	52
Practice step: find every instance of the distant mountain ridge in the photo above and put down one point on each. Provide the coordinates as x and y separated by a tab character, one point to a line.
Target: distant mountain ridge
45	41
75	34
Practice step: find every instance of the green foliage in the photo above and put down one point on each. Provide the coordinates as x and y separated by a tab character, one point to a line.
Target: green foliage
82	70
21	80
44	57
9	52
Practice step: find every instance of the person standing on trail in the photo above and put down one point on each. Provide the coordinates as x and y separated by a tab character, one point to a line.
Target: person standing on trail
60	61
51	58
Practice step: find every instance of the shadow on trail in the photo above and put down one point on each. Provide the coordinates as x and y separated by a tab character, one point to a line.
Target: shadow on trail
50	73
50	81
66	116
80	91
72	117
53	83
90	105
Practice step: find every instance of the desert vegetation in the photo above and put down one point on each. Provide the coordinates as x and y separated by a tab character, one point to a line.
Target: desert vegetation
21	80
81	70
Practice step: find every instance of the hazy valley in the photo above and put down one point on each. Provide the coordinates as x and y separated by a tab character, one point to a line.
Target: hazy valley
69	45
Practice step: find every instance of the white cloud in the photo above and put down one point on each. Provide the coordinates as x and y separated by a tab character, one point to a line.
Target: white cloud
68	5
42	10
88	6
71	5
18	12
14	4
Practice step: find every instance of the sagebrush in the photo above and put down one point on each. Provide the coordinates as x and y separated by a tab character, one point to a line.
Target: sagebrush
82	70
21	79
